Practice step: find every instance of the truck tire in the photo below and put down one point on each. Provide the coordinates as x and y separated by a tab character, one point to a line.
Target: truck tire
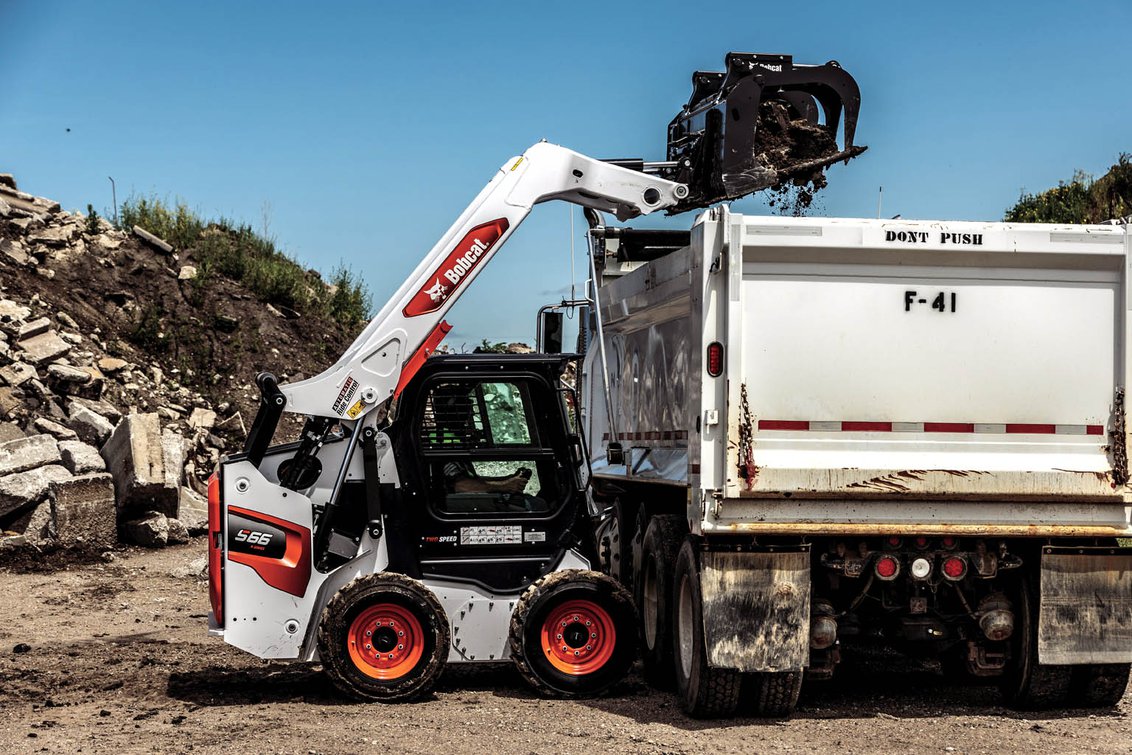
549	629
383	637
615	549
660	546
1027	684
704	692
1100	685
773	694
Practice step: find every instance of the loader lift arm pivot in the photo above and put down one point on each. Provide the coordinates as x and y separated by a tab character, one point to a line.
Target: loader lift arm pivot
383	356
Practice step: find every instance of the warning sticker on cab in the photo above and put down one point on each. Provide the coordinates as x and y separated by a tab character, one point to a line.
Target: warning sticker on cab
355	410
349	388
496	535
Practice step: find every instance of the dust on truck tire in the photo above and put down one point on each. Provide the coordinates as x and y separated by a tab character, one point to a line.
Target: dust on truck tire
383	637
574	633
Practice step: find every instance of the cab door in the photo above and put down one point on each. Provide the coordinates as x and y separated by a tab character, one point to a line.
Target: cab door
499	490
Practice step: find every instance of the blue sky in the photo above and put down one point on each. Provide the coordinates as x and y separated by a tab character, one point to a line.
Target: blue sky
360	130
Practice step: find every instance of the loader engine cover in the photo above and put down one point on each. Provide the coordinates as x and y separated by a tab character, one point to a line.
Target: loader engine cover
756	609
1086	606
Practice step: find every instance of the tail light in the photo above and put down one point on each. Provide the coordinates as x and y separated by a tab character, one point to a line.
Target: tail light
954	568
715	359
215	550
921	568
922	542
949	542
887	568
893	542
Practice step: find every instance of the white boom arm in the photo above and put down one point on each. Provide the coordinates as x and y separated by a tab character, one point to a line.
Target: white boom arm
410	324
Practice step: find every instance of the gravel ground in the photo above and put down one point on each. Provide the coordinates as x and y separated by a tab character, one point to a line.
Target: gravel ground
114	657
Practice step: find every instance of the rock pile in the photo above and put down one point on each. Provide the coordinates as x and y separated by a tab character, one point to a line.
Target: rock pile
92	447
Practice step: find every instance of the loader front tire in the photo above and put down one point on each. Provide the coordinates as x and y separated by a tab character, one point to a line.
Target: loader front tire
704	691
574	633
383	637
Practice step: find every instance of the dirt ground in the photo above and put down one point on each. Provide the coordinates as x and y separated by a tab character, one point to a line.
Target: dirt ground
119	661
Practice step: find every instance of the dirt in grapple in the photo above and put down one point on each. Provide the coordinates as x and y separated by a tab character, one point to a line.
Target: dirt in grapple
785	142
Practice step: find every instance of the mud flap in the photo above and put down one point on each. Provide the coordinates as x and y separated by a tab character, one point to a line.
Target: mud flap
1086	606
756	609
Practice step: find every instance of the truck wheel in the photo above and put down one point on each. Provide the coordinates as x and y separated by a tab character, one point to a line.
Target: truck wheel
653	581
383	637
1027	684
1100	685
704	692
574	633
773	695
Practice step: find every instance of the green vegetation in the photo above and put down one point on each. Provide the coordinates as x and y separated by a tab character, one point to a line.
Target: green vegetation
93	222
235	251
1082	199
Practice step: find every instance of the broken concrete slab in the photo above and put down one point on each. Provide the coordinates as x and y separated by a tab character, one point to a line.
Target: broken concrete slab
178	532
24	488
23	454
173	457
83	510
9	402
44	347
107	410
55	236
157	243
14	251
81	458
90	426
65	373
111	365
11	431
136	455
202	419
10	311
33	328
17	373
193	511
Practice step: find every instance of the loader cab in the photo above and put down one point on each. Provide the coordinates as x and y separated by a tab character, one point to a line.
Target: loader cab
490	467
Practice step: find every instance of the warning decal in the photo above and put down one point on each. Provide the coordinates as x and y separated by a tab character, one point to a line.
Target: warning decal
494	535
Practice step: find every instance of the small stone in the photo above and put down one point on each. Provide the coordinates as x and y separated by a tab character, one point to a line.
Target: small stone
111	365
67	320
56	236
54	429
81	458
107	410
11	431
33	328
202	419
22	647
151	530
89	425
9	402
67	374
17	373
14	251
11	311
187	273
45	347
178	532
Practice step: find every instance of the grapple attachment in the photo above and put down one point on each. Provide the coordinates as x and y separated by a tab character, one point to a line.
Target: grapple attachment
762	123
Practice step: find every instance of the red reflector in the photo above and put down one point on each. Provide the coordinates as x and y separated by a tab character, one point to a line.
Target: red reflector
948	542
921	542
893	541
954	568
887	567
1033	429
715	359
215	555
865	427
783	424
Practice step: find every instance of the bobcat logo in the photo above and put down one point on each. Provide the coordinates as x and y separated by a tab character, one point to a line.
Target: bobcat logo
437	291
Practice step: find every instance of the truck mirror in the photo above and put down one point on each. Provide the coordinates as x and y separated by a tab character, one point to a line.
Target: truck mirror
550	332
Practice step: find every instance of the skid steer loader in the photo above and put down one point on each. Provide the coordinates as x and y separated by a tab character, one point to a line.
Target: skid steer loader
434	508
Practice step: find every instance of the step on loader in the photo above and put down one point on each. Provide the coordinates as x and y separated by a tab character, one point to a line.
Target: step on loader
434	509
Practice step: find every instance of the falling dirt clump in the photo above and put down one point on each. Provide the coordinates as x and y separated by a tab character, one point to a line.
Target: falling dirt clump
787	145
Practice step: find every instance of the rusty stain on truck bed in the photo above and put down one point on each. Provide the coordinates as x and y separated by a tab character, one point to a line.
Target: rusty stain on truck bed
1118	441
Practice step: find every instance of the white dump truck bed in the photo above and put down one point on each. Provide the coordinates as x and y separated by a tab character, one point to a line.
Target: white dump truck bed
910	375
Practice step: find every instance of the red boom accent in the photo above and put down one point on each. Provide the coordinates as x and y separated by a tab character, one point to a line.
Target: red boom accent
215	550
292	572
420	355
456	268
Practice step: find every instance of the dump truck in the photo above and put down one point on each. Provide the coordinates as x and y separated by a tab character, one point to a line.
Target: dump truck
812	436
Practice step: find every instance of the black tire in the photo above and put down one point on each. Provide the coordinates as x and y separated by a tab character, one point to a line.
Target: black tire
416	638
1100	685
590	602
1027	684
653	581
773	694
704	692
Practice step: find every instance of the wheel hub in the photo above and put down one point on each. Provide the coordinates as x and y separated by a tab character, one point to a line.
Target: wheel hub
578	637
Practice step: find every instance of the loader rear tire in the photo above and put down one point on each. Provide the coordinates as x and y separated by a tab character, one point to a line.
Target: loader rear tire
704	691
653	581
383	637
574	633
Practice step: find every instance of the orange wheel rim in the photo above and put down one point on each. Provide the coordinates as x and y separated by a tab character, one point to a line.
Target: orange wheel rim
386	641
578	637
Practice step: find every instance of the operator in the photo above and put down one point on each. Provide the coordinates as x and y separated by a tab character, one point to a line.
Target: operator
461	477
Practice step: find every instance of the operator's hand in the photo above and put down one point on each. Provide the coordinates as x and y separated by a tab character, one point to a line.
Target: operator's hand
515	483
